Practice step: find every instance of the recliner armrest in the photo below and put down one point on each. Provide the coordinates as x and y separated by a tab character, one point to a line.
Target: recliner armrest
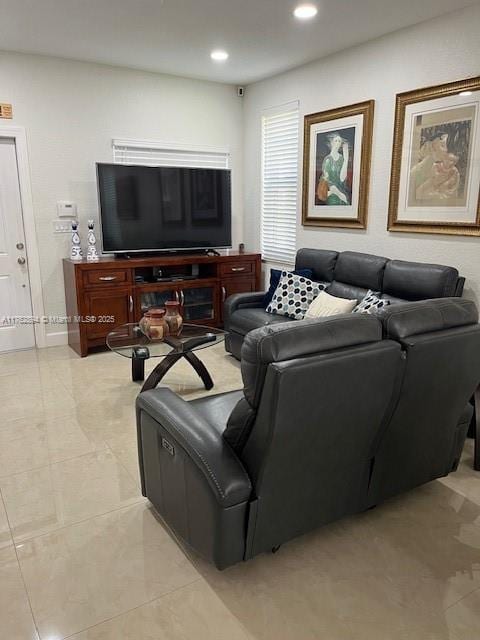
203	444
242	300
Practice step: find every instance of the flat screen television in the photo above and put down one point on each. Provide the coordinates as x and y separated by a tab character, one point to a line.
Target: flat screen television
163	208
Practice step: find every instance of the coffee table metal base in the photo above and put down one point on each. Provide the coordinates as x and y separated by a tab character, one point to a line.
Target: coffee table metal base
138	369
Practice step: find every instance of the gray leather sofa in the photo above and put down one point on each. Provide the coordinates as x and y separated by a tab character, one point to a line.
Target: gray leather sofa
335	416
351	274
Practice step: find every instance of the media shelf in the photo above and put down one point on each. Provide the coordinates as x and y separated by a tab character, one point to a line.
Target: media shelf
122	289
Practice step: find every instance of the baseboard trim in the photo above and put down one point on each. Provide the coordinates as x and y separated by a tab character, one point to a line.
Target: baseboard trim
56	339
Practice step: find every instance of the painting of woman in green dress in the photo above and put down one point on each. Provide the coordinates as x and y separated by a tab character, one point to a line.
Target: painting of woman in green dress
335	150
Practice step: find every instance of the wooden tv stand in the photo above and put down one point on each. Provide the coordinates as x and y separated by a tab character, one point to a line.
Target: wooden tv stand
113	291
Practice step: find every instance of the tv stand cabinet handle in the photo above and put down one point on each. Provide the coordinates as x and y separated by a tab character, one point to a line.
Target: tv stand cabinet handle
130	298
224	294
182	297
238	268
107	278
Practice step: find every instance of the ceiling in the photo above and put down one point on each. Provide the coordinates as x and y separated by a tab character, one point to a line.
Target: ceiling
176	36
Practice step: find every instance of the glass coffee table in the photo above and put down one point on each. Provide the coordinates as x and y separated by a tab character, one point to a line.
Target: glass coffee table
129	341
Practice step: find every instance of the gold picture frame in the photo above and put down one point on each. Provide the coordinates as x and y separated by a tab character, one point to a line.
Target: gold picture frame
451	193
336	185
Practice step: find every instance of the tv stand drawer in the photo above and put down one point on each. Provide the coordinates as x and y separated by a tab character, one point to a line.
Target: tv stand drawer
243	268
105	277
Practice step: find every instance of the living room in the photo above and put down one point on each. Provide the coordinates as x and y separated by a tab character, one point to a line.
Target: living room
152	374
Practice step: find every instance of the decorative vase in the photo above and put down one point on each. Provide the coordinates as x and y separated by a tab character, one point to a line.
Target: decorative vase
92	253
76	249
173	317
154	324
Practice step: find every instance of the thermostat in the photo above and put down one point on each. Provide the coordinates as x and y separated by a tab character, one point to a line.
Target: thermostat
66	209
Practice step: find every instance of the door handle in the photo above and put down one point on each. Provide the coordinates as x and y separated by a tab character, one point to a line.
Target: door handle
131	303
21	260
20	246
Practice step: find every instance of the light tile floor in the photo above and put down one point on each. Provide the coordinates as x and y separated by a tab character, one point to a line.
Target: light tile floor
84	556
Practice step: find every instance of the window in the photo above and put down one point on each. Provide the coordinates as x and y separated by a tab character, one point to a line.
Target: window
162	154
280	183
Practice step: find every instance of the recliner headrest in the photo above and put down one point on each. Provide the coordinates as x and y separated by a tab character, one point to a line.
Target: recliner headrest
299	338
320	261
418	280
274	343
413	318
360	269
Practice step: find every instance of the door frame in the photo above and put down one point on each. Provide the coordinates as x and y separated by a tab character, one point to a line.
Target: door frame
33	259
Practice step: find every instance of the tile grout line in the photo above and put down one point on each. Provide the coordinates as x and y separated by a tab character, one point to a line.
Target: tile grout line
141	500
20	569
51	464
143	604
135	480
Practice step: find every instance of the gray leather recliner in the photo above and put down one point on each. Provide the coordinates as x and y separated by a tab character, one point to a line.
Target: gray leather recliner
350	275
334	416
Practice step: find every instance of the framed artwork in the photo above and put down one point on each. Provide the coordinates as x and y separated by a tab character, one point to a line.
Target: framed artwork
336	166
435	178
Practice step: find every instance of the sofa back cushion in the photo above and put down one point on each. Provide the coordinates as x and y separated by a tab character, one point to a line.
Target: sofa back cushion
309	450
352	274
290	341
408	319
320	261
441	342
418	280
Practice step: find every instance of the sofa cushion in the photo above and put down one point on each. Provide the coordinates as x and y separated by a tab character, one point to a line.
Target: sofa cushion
244	320
413	318
360	269
371	303
294	295
275	275
326	305
320	261
418	280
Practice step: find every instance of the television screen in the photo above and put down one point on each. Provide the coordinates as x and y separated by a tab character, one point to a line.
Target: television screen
163	208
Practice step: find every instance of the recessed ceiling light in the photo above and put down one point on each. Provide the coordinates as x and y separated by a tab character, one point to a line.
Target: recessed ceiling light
305	11
219	55
465	93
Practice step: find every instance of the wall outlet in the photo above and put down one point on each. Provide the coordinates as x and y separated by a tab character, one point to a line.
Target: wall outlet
62	226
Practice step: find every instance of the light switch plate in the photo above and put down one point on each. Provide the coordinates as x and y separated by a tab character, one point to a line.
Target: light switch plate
62	226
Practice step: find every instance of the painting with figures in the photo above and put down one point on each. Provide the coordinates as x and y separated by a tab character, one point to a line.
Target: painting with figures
441	158
435	179
336	166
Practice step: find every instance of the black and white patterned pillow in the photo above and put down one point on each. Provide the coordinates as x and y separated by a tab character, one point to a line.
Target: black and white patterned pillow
371	303
293	295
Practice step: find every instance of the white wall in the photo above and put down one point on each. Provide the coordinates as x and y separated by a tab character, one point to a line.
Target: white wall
442	50
71	112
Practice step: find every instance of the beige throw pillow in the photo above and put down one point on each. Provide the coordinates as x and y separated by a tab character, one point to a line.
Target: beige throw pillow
326	305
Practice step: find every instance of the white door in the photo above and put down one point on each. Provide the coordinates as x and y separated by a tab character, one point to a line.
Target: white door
15	299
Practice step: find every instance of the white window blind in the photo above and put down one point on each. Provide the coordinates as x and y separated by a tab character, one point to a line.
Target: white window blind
161	154
280	184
